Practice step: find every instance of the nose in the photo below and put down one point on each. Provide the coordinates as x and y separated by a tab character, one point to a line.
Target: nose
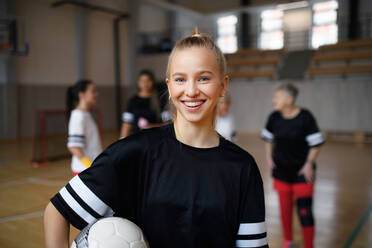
192	89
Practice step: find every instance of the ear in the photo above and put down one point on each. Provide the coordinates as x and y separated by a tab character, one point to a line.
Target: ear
167	82
81	95
225	82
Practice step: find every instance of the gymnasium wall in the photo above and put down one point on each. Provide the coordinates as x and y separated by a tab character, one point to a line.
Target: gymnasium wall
337	104
52	35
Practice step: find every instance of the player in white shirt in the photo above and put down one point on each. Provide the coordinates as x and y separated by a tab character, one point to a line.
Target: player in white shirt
225	124
84	141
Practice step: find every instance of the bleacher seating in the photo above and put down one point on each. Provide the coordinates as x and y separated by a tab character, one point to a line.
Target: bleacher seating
254	63
345	53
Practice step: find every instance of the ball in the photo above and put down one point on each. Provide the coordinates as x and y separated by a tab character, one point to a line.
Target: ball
111	232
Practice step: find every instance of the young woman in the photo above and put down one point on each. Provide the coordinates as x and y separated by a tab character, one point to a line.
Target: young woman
144	110
84	141
292	147
183	184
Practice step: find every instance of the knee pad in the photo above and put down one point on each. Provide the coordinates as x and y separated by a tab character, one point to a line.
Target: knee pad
304	209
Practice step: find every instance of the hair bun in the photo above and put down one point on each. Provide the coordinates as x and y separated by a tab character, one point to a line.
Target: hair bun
196	33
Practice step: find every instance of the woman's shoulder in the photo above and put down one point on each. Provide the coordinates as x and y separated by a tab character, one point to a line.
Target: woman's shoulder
231	149
306	113
140	141
78	114
274	114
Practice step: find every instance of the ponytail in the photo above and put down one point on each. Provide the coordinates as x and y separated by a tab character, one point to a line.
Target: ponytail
72	95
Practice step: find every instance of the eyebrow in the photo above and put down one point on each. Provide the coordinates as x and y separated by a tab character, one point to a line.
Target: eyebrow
200	72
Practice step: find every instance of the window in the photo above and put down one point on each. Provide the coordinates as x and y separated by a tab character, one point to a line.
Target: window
227	40
271	36
325	29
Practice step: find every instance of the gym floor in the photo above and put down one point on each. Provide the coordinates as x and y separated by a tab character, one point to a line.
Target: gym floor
342	204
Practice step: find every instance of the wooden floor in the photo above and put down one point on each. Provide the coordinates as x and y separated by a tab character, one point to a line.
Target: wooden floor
343	194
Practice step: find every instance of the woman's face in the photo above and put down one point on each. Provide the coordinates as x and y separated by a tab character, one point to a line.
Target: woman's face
145	83
90	95
281	100
195	83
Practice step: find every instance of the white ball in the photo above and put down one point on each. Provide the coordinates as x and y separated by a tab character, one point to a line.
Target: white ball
114	232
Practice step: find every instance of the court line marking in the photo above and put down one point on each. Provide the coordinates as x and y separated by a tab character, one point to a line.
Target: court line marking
46	182
358	228
34	180
22	217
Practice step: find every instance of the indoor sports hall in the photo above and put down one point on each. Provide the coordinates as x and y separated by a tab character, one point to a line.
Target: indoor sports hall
322	47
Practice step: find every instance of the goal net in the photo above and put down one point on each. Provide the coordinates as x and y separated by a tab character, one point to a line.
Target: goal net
50	135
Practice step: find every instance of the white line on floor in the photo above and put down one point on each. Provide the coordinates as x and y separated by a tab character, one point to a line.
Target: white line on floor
22	217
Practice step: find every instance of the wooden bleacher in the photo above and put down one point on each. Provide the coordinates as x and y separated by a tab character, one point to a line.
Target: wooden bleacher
254	63
348	44
344	52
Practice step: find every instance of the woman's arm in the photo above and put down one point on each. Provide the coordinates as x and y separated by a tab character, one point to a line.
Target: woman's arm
308	169
56	228
78	152
269	158
125	129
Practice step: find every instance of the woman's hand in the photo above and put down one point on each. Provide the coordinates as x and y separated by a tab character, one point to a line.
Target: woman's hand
308	172
143	123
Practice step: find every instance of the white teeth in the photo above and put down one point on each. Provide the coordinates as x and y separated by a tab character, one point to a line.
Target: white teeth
193	104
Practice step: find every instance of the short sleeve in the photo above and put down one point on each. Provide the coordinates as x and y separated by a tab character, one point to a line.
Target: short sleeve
100	190
252	228
76	130
166	116
313	135
267	132
128	115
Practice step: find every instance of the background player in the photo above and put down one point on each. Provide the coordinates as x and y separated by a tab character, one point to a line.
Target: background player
183	184
293	140
84	141
144	110
225	124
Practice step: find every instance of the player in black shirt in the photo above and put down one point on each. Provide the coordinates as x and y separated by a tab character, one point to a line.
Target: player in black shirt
293	140
145	109
183	184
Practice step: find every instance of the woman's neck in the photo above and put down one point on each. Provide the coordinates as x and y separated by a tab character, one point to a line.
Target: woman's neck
200	134
290	111
144	94
83	106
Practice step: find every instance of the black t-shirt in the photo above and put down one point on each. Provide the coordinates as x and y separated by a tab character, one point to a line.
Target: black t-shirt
292	139
139	107
180	196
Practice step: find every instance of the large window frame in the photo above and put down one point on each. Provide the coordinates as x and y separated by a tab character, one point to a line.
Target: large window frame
324	29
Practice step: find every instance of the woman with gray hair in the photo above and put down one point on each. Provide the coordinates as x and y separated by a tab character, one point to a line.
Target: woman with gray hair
292	146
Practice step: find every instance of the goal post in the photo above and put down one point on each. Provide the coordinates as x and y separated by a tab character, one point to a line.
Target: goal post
51	133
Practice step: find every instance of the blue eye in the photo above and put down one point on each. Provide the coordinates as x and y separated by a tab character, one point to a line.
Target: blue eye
204	79
179	80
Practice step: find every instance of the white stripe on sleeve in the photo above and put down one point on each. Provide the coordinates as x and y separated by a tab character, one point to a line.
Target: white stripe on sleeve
128	117
90	198
166	116
267	134
314	139
75	206
251	243
252	228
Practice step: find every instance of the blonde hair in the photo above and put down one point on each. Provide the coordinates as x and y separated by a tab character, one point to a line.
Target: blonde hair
200	40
